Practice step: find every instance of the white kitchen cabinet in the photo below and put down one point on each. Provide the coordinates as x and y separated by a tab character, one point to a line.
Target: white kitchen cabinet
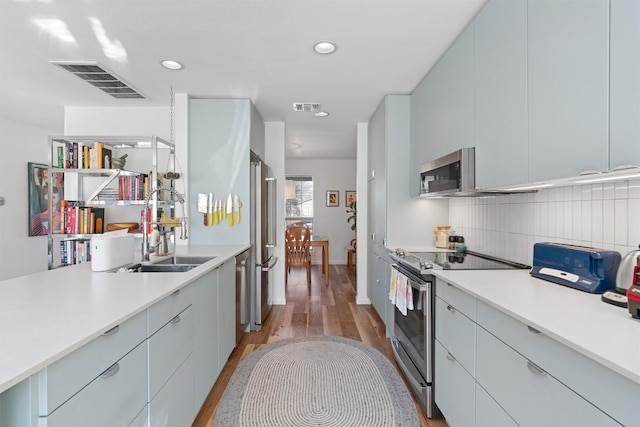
174	403
500	72
112	399
454	389
457	334
624	84
489	413
568	87
226	311
530	395
206	335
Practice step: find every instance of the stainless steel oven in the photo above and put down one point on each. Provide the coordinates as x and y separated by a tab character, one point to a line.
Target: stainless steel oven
414	339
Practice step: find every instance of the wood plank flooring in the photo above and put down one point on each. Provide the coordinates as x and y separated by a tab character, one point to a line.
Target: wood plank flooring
323	310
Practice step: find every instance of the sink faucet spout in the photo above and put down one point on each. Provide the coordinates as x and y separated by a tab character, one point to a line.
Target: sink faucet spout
147	247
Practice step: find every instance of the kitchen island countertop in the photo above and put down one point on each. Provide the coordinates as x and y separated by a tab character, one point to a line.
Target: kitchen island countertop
45	316
602	332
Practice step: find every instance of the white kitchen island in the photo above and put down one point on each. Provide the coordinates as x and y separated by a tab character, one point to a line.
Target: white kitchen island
52	317
535	352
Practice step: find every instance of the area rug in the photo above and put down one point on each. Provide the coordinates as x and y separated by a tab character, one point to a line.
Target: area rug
316	381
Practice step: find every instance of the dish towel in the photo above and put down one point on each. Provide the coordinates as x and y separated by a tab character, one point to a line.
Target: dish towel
400	291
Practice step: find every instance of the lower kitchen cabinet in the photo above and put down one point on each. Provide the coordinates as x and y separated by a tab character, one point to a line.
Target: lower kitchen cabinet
489	413
226	311
114	398
174	403
454	389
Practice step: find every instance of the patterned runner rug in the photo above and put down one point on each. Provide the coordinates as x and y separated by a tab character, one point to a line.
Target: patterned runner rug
316	381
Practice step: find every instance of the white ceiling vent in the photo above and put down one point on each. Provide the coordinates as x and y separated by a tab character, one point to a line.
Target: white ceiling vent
312	107
97	75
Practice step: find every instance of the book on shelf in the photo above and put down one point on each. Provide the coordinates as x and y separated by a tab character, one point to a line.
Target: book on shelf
99	150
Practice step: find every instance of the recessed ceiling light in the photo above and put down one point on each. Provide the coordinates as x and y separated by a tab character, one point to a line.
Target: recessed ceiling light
171	65
324	47
321	114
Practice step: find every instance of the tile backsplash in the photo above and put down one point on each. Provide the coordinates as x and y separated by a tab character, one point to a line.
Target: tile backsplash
605	215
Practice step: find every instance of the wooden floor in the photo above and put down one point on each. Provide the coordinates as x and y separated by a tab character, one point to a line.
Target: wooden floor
325	310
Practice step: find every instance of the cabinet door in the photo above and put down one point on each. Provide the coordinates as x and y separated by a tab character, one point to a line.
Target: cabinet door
454	389
568	87
113	399
226	311
624	83
173	405
489	413
501	94
379	289
206	337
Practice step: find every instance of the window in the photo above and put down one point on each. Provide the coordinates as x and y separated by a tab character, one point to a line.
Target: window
298	195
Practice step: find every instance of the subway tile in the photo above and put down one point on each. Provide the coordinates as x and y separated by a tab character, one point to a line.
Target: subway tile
596	192
620	227
608	219
596	222
585	192
568	220
541	196
586	232
551	219
537	220
576	208
559	220
634	189
633	216
608	191
621	190
567	194
576	192
544	219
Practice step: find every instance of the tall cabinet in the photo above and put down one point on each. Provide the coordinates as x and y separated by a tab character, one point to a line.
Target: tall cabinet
86	191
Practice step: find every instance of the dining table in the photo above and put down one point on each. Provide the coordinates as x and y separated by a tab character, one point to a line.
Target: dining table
322	242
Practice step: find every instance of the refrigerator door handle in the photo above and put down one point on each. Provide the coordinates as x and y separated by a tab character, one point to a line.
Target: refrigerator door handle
270	220
268	264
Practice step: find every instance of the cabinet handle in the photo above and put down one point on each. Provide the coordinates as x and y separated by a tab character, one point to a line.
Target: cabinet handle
535	369
111	371
534	330
177	292
176	319
450	357
111	331
450	308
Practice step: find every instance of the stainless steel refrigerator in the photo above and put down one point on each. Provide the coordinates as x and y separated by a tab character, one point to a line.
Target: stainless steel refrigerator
263	239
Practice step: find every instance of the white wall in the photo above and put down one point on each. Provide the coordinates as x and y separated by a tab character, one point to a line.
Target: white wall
605	216
19	144
329	174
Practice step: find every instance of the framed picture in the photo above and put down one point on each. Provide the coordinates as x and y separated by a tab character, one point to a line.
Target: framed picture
332	198
38	180
349	197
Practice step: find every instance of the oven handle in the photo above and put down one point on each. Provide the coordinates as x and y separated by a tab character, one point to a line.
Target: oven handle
416	282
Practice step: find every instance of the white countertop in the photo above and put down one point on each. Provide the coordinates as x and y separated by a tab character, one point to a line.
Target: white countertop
579	320
45	316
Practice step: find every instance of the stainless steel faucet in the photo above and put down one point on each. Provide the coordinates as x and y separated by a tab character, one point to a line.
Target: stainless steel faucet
147	248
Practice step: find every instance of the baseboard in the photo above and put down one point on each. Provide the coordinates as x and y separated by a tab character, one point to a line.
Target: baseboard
279	301
362	300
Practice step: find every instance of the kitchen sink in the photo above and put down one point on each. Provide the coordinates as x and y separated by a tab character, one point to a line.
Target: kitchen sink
165	268
184	259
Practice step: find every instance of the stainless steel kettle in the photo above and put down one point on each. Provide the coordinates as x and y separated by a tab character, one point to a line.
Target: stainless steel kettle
624	277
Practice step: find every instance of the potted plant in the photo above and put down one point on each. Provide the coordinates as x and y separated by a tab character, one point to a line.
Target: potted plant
352	210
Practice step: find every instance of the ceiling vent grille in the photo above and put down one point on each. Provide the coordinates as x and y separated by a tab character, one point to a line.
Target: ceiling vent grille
97	75
312	107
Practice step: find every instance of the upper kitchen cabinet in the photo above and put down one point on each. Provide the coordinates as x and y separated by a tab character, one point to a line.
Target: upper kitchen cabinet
624	86
442	107
501	94
222	133
568	67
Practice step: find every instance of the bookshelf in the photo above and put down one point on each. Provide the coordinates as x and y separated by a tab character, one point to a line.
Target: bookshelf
96	193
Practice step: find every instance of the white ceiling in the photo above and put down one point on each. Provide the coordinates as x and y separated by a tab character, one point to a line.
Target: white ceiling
257	49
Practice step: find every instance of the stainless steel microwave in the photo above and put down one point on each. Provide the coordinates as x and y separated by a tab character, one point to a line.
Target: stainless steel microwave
450	175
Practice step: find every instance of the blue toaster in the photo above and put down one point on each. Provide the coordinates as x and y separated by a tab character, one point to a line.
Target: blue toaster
579	267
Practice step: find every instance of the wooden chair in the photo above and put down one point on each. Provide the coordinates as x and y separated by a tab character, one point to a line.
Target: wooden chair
351	254
297	243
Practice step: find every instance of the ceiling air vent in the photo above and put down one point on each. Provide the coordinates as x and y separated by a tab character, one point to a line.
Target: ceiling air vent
312	107
97	75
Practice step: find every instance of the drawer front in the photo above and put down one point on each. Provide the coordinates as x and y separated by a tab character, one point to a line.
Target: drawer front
113	399
168	348
457	333
456	298
566	365
166	309
62	379
489	413
174	404
529	395
454	389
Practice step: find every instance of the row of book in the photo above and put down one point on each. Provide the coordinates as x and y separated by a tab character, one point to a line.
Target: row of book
78	219
75	251
133	187
75	155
